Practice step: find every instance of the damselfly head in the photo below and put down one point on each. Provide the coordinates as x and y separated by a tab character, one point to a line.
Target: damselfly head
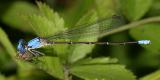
21	46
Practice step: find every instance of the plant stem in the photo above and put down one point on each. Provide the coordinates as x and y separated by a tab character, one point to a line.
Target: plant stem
66	73
132	25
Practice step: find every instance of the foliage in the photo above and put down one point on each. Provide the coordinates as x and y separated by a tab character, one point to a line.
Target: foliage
88	62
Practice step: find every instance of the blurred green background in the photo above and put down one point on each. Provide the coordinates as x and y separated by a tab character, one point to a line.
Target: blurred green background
141	17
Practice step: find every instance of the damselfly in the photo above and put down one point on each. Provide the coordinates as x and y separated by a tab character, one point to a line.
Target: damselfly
96	28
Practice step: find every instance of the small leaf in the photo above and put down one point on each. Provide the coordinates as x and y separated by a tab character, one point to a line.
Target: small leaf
153	76
52	66
100	72
135	9
15	15
42	26
148	31
47	23
103	60
51	15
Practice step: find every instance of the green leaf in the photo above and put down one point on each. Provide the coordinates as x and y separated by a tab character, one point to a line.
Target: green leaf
153	76
99	72
24	68
147	59
73	14
7	44
47	12
2	77
47	23
148	31
77	52
135	9
15	15
42	26
105	8
155	9
30	71
51	15
102	60
52	66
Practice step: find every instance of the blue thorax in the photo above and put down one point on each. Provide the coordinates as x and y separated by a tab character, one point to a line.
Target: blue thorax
34	43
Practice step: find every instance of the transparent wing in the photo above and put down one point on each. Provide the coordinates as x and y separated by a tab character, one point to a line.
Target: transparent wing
92	29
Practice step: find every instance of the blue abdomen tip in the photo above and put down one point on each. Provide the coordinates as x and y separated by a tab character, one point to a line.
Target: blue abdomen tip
144	42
